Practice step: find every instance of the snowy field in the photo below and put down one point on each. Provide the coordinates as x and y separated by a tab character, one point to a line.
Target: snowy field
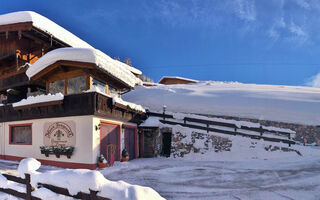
292	177
291	104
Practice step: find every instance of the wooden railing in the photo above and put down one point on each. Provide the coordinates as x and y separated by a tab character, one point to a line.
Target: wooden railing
202	124
72	105
58	190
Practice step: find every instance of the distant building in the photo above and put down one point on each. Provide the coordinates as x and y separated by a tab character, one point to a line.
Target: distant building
172	80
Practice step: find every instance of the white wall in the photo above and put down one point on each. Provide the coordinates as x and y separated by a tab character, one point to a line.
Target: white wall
83	147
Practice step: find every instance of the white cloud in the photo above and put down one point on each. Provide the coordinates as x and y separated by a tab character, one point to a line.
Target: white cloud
314	81
302	3
246	10
297	30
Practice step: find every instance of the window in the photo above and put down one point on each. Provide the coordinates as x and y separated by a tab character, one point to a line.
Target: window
20	134
100	85
76	85
56	87
113	91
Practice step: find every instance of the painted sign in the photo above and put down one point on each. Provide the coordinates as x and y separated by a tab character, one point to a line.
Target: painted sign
60	133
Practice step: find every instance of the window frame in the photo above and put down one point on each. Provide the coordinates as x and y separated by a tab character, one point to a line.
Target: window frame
19	125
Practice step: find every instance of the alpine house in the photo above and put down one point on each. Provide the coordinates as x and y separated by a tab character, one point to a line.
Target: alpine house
61	98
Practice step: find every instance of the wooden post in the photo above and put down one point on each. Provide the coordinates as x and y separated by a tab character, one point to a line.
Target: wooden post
93	195
28	187
207	128
261	131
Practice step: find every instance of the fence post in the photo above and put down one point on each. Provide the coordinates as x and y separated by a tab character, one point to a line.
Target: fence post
28	187
207	128
261	131
93	195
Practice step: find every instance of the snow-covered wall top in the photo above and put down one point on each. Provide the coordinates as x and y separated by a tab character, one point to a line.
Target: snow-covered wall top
265	102
89	55
44	24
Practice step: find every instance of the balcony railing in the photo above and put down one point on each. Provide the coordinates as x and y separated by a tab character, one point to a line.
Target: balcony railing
72	105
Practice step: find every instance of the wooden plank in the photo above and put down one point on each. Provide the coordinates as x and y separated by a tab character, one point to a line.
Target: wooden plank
228	132
13	193
64	191
50	103
225	124
14	178
16	27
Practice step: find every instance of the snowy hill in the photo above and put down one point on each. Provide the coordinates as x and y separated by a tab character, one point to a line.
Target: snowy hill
292	104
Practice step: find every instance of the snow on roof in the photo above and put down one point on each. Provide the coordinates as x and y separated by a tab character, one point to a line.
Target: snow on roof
132	106
94	56
291	104
128	67
39	99
177	77
45	25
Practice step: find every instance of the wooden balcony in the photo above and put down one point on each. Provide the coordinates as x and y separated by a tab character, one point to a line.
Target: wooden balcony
72	105
13	80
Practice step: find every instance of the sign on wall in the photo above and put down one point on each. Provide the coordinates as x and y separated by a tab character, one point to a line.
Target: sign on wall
60	133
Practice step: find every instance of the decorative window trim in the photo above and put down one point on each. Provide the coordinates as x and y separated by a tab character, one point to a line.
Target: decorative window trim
18	125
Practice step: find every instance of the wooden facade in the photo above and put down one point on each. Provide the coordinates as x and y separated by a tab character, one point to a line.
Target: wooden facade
22	43
72	105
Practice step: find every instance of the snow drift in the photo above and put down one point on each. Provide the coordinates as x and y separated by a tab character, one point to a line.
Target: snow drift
78	180
291	104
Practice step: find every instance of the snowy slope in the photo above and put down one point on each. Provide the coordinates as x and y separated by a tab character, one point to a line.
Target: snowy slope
45	25
265	102
89	55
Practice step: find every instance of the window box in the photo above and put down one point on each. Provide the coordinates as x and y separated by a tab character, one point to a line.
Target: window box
57	150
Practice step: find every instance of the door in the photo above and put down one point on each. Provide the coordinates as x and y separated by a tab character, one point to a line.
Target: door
109	142
166	144
130	142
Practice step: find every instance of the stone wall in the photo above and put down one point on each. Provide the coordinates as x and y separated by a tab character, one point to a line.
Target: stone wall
185	142
304	133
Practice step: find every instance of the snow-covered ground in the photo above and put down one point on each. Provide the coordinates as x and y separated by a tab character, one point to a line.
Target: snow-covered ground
286	177
292	104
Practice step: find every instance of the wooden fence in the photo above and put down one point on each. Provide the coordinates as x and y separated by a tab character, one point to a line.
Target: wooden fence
58	190
262	133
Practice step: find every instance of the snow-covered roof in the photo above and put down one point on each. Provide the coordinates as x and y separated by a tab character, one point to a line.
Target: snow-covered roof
128	67
291	104
177	77
94	56
45	25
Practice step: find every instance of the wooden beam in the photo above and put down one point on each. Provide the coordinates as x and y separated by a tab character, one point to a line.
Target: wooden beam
49	68
50	103
66	86
16	27
47	87
64	75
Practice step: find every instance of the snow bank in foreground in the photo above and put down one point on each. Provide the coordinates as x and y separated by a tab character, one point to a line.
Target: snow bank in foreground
265	102
3	181
83	180
79	180
103	61
28	166
39	99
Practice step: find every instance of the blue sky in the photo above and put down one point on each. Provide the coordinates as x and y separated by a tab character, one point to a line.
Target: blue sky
250	41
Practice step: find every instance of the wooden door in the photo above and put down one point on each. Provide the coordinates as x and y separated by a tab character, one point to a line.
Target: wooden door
110	134
130	143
